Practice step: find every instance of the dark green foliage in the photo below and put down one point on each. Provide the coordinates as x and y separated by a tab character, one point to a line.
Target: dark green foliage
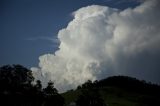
38	85
89	96
116	91
87	85
16	89
52	96
130	84
14	77
50	90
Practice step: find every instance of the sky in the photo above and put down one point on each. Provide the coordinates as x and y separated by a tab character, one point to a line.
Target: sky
72	41
29	28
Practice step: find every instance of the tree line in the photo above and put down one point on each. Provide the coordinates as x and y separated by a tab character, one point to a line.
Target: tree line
17	89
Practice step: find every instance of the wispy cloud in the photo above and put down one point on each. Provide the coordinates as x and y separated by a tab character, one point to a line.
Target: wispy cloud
52	39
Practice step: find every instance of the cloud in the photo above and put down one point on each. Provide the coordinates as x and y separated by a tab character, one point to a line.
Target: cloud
53	39
102	41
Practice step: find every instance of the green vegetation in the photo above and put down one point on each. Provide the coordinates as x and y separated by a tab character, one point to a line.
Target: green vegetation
17	89
120	91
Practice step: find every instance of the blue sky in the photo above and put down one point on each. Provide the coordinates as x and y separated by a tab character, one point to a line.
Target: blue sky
28	28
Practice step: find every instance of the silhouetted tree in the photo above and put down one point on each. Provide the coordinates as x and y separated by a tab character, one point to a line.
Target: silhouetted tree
50	90
38	85
52	96
87	84
15	80
17	89
90	97
13	77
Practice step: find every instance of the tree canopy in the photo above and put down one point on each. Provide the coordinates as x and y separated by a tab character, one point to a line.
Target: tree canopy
17	88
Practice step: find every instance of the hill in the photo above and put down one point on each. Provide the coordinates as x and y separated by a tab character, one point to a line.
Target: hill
18	88
119	91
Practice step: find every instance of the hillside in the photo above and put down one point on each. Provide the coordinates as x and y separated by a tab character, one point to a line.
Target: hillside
120	91
17	89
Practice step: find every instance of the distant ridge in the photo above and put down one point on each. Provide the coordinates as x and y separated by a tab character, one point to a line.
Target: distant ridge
129	83
120	91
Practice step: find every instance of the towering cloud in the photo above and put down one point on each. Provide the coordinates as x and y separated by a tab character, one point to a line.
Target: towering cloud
102	41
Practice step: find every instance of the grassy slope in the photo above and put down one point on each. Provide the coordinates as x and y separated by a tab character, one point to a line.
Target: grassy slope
115	96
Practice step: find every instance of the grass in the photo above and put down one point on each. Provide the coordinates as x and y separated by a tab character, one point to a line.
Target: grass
112	96
120	91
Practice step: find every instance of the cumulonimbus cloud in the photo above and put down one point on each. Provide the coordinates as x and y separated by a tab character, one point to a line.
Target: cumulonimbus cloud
102	41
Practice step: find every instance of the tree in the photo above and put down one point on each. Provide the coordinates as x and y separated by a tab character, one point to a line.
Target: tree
15	81
87	84
12	77
90	97
50	90
52	96
38	85
16	88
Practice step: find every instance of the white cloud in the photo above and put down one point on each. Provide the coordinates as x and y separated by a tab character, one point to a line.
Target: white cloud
102	41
